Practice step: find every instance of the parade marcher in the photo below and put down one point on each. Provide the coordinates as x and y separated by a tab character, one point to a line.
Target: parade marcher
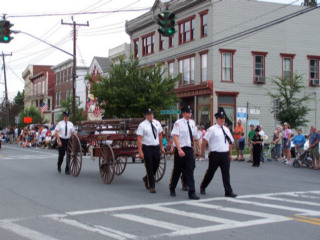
256	141
250	136
185	136
64	130
219	139
150	146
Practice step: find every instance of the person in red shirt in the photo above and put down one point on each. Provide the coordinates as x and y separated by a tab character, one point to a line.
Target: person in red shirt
237	135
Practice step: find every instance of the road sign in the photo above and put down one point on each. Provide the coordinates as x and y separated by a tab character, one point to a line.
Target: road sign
171	108
17	119
242	114
166	112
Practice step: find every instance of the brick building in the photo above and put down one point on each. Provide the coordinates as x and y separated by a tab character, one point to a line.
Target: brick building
227	55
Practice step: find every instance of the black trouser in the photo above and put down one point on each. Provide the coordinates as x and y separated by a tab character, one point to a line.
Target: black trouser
256	153
151	162
62	152
218	159
184	165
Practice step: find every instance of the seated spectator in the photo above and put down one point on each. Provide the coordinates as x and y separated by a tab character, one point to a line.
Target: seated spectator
47	141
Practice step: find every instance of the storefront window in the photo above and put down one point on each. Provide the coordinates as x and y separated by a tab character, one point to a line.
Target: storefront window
204	111
227	105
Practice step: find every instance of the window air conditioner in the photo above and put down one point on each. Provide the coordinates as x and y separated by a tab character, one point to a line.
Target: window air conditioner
260	79
314	82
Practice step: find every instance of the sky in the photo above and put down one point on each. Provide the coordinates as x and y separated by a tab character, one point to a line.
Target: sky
105	31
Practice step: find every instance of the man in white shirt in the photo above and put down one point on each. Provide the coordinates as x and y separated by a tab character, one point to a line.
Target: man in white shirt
64	130
219	140
262	134
184	134
150	145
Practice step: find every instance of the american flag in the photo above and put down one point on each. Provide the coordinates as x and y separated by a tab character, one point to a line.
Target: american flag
89	103
43	107
97	111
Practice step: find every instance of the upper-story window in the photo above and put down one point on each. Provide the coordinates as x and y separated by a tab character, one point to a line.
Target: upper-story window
148	44
135	47
204	23
170	68
314	70
57	78
60	77
63	76
161	42
227	64
287	66
259	75
186	30
170	41
203	65
71	76
186	68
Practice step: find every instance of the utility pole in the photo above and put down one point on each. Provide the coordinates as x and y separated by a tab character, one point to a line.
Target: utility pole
74	74
5	85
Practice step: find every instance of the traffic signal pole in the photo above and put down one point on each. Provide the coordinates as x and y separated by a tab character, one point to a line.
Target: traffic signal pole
74	74
5	86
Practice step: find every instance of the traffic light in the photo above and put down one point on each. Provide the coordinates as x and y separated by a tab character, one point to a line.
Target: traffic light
167	24
5	31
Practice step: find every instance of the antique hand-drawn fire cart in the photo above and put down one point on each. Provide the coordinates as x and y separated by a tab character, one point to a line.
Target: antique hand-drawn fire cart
113	141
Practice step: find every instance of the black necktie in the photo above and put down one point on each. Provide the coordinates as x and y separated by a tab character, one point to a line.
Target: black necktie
154	130
190	133
66	129
226	137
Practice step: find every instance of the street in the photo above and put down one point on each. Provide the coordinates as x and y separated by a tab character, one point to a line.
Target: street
275	201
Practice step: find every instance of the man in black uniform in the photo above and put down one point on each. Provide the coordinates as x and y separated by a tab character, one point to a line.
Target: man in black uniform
184	133
219	140
64	130
256	141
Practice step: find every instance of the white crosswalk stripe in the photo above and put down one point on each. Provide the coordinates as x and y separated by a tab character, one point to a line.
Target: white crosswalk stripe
143	215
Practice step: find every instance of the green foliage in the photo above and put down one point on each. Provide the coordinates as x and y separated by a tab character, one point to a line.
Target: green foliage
129	89
30	112
292	106
67	106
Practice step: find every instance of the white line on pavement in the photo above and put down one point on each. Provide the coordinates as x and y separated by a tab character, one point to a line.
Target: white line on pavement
151	222
190	214
24	232
289	200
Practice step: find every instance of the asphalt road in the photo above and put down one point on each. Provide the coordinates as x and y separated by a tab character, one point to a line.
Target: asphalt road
275	201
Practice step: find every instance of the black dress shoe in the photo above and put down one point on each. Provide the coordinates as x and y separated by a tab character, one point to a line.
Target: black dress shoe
59	169
203	191
185	188
231	195
173	193
67	172
145	182
193	196
152	190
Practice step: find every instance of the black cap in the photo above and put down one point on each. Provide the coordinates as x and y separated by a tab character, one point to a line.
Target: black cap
148	111
257	130
186	109
66	113
220	114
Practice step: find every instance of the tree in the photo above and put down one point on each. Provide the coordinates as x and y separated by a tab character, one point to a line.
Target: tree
32	112
129	89
67	106
291	104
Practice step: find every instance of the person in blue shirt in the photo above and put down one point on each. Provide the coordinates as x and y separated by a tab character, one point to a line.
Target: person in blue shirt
241	146
299	141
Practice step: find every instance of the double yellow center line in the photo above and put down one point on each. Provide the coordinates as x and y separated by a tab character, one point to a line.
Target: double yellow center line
315	221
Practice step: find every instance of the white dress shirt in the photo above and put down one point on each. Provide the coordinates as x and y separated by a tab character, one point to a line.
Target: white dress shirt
60	128
145	130
216	139
181	129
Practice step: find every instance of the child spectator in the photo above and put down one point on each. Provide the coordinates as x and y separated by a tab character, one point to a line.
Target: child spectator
241	146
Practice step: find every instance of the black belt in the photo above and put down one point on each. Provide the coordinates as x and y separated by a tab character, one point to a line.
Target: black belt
150	146
219	152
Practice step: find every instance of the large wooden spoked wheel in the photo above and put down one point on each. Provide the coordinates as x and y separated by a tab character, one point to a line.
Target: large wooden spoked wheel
161	169
74	155
106	163
120	164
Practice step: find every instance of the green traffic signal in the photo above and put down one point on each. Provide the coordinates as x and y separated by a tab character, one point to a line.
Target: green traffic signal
5	31
167	24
